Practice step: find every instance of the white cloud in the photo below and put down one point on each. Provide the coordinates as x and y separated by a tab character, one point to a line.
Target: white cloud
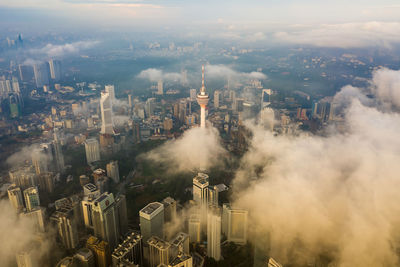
52	50
155	75
223	71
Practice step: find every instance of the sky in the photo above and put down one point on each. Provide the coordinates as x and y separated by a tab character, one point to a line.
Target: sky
180	12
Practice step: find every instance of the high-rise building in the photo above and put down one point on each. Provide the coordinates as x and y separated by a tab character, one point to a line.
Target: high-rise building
202	99
92	150
120	206
31	196
23	177
85	258
105	219
66	224
25	73
15	197
169	209
213	195
112	171
150	106
37	217
217	99
193	94
168	124
234	224
107	125
194	228
41	71
129	251
90	194
158	251
55	69
182	260
57	153
46	181
200	194
110	89
101	251
160	87
152	220
14	104
179	245
214	234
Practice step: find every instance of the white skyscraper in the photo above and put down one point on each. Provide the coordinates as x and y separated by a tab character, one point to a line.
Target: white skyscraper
202	99
55	69
92	150
111	90
107	125
15	197
214	234
160	87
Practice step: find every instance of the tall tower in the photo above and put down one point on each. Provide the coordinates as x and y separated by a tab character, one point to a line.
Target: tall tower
202	99
107	126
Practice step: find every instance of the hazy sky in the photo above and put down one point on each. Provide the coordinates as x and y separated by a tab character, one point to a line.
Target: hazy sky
125	12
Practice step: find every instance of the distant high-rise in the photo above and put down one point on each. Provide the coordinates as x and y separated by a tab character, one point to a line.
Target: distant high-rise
158	251
152	220
31	196
111	90
150	106
105	219
217	99
41	71
234	224
92	150
202	99
193	94
214	234
23	176
129	251
213	195
194	228
15	197
160	87
107	125
55	69
57	153
169	209
112	171
26	73
67	227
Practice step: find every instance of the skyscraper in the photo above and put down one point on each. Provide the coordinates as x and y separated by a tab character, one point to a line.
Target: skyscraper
37	216
31	196
202	99
194	228
193	94
105	219
57	153
85	258
200	194
55	69
214	234
120	206
101	251
158	251
66	224
152	220
15	197
112	171
41	71
129	251
234	224
160	87
217	98
110	89
169	209
107	125
92	150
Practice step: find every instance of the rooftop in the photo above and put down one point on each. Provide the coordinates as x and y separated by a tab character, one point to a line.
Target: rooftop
150	208
158	243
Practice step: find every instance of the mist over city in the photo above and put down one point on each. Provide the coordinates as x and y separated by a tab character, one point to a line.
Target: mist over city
149	133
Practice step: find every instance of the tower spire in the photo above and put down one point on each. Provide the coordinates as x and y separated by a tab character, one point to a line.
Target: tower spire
203	88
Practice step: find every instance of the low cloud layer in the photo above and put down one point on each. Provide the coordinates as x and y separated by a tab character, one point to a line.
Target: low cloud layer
154	75
334	195
347	35
52	50
197	148
225	72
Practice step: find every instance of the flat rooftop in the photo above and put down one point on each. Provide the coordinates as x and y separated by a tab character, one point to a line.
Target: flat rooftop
150	208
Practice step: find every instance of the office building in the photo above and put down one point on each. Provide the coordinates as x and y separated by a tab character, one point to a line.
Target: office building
90	194
234	224
14	104
169	209
158	251
182	260
193	94
37	217
15	197
150	107
92	150
85	258
100	250
65	221
110	89
202	100
23	177
55	70
26	73
41	72
160	87
179	245
194	226
213	195
129	251
107	124
113	171
46	181
200	194
214	234
168	124
217	99
152	221
105	219
121	211
31	196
